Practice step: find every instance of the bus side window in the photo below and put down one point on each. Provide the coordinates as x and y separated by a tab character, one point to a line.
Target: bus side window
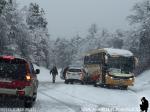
92	59
86	60
99	58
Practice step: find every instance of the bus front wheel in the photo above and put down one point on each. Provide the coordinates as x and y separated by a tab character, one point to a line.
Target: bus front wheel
123	87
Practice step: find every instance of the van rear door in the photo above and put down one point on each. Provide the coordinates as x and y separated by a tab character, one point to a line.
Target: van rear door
12	71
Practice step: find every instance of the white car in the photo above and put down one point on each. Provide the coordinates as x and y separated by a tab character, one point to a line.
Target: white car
75	74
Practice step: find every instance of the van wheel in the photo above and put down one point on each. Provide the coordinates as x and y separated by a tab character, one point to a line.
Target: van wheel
82	82
66	82
28	102
34	97
95	85
102	85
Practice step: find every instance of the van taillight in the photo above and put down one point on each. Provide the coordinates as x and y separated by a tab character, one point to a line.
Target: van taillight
21	92
28	77
9	57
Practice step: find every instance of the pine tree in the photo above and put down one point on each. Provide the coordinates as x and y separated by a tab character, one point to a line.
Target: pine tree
35	18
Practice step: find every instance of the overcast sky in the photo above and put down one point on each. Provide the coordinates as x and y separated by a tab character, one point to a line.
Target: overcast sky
67	18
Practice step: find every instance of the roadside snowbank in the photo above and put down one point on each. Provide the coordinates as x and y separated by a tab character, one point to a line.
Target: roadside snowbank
142	85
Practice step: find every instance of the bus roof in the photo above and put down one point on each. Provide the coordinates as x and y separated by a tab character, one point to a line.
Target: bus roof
111	52
120	52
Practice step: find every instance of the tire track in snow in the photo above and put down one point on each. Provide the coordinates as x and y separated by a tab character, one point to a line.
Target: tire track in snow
77	98
134	92
75	108
64	93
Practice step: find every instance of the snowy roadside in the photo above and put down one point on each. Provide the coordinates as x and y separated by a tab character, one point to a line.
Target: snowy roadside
142	85
45	76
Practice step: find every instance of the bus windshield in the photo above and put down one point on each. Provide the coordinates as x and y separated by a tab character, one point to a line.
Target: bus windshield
125	64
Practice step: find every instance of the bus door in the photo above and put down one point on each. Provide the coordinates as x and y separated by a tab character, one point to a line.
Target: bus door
103	68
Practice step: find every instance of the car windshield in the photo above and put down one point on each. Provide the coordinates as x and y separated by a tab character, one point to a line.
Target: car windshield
74	70
12	70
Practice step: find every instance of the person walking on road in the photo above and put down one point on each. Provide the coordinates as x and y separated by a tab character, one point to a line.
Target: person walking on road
54	72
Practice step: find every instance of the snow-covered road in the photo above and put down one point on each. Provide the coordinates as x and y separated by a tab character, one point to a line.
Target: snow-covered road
54	102
60	97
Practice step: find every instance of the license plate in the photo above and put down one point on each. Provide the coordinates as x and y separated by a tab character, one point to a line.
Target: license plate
5	80
75	76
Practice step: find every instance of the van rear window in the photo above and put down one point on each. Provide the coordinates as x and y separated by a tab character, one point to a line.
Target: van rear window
74	70
12	69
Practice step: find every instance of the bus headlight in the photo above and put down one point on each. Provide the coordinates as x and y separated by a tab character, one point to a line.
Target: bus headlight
130	78
111	77
108	76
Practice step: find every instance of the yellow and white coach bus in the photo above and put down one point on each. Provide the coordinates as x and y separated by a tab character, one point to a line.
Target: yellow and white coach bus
110	67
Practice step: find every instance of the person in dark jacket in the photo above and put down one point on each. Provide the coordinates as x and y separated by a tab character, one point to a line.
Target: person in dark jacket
54	72
144	106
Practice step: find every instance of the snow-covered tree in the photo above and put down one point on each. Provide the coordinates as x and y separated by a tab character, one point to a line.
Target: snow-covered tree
37	23
117	40
2	5
61	52
27	38
141	20
12	30
35	17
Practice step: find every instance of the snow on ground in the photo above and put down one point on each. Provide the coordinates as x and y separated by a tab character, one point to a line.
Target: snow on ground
60	97
142	85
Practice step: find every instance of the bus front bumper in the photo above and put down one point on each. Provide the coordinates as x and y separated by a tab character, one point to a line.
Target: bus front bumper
119	81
